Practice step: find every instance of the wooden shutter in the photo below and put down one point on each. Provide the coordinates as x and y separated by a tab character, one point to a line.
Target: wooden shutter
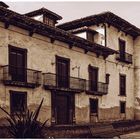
62	71
122	48
93	78
93	106
122	85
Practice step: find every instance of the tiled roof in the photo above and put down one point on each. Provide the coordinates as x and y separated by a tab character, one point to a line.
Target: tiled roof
44	11
105	17
10	17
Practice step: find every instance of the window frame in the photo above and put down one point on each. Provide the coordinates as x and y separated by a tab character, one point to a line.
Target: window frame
90	71
97	109
120	85
122	43
122	110
12	109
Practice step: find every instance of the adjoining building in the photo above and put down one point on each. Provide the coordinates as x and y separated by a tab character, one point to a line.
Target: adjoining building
87	70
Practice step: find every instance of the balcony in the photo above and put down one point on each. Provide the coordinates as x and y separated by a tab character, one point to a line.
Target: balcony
58	82
22	77
126	57
96	89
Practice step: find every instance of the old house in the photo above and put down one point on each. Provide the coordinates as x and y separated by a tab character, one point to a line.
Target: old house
87	70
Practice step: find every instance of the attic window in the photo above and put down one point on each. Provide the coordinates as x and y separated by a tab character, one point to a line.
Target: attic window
49	21
90	36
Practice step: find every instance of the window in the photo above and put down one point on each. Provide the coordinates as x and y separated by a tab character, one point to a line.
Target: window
93	78
18	101
90	36
17	63
122	49
122	107
49	21
107	78
62	71
122	84
93	106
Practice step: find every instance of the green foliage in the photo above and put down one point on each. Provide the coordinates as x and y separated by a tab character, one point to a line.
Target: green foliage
25	125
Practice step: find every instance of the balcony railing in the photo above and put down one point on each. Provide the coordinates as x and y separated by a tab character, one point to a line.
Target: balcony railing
97	89
126	57
53	81
23	77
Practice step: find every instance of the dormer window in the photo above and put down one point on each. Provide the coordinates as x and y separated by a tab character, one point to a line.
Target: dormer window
49	21
90	36
86	33
44	15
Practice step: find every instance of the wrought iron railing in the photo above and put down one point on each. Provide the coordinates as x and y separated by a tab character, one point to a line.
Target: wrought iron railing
98	88
21	76
59	81
126	57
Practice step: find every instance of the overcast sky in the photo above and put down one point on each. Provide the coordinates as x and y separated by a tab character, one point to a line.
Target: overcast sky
74	10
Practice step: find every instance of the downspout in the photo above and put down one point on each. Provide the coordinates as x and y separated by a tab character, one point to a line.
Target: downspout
105	34
105	37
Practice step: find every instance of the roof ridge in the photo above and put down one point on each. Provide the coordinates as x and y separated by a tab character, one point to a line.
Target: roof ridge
43	9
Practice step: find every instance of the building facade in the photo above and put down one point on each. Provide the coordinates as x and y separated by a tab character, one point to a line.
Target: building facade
87	70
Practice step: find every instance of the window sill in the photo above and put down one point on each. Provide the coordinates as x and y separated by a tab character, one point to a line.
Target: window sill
122	95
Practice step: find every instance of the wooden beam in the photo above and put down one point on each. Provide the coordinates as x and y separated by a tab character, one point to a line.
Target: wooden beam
86	51
108	25
6	25
70	46
31	32
52	40
97	54
105	56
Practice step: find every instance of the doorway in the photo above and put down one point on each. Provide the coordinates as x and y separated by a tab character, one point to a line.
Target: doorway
62	107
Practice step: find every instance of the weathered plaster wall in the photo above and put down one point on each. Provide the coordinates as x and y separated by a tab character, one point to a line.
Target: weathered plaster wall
137	77
110	103
41	56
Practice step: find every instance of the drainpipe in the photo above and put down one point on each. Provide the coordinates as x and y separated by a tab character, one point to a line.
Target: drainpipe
105	34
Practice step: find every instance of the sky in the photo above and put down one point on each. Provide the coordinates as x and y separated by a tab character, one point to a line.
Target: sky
130	11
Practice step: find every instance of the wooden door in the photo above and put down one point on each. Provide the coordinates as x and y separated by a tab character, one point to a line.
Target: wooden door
17	64
93	78
62	72
94	110
62	109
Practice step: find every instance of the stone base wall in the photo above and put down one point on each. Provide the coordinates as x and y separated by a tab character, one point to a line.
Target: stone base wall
82	115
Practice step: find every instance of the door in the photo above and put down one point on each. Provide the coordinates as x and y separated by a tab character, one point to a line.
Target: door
94	110
62	107
93	78
122	49
62	72
17	64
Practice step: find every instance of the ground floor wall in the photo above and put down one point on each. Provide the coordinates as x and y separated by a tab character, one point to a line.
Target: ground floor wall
82	105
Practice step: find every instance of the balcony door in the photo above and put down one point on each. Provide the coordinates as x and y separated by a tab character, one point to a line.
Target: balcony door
62	72
17	64
93	78
122	49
